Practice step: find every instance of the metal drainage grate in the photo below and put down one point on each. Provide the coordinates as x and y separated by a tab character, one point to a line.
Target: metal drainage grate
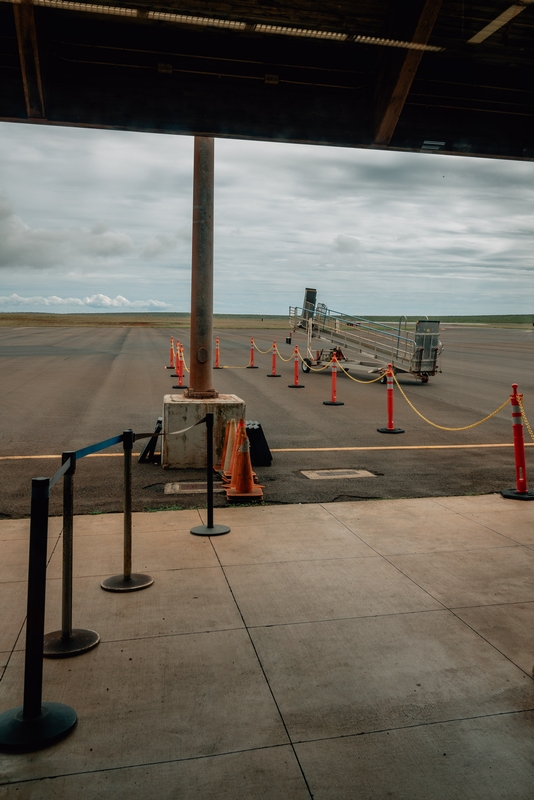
199	487
339	474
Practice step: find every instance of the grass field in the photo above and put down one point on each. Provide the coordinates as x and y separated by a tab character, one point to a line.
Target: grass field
224	321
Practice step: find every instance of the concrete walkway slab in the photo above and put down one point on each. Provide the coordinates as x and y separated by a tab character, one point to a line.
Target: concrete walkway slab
269	774
334	651
149	701
487	758
478	577
518	527
152	550
397	535
507	627
346	677
185	601
304	591
256	544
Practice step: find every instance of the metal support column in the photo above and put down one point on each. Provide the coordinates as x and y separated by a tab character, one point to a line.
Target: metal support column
201	356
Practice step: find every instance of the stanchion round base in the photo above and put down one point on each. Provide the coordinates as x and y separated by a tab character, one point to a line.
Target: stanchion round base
513	494
218	367
20	735
174	375
270	375
118	583
80	641
332	403
295	386
203	530
388	430
249	367
180	387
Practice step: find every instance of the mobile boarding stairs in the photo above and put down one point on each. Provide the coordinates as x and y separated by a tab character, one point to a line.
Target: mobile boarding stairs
358	342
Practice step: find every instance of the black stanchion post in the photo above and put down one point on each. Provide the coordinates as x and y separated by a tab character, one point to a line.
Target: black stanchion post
210	529
35	724
68	642
127	582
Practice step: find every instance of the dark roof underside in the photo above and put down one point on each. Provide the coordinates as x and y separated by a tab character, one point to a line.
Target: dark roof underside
300	71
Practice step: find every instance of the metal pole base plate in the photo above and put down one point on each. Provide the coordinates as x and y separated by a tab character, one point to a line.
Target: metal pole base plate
203	530
180	387
20	735
249	367
388	430
270	375
80	640
295	386
118	583
513	494
332	403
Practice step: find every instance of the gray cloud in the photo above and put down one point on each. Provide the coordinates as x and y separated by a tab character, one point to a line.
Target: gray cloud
375	232
21	245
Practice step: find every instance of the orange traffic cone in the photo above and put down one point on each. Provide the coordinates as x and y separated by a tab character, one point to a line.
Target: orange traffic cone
228	450
220	466
230	462
242	487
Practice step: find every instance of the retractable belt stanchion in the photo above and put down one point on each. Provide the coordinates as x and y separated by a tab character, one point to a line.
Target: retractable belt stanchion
521	492
128	582
273	373
68	641
35	724
210	529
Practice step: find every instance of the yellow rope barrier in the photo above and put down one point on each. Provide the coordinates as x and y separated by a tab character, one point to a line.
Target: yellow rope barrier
281	356
183	359
527	423
263	352
312	369
442	427
373	380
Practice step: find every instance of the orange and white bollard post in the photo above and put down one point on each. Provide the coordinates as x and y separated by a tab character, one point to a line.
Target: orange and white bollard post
296	384
171	355
333	400
273	373
175	348
180	368
217	354
521	492
251	361
390	426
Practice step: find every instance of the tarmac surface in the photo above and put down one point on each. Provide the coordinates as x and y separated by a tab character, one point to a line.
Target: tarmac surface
66	388
331	651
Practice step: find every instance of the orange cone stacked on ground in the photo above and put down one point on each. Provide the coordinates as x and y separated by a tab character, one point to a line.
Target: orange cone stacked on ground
242	486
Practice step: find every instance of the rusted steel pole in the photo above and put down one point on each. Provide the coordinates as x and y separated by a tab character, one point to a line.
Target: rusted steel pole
201	355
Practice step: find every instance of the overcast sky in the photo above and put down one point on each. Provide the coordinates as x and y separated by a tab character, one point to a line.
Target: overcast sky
101	220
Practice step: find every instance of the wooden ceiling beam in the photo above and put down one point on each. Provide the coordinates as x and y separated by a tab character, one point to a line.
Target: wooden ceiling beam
29	59
399	67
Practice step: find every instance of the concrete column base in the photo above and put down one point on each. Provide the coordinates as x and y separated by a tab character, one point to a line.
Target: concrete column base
189	449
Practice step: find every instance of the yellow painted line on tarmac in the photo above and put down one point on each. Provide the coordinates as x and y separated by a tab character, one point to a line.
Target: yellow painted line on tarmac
307	450
399	447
